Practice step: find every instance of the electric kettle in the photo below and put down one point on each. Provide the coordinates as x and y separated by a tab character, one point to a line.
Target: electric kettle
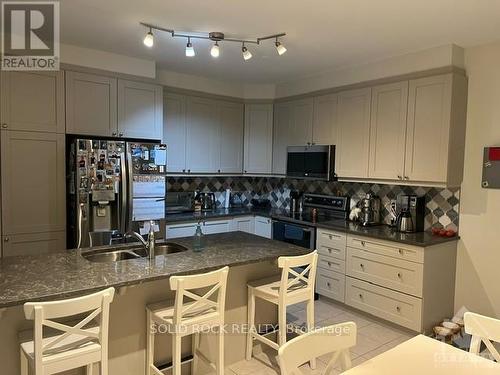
404	222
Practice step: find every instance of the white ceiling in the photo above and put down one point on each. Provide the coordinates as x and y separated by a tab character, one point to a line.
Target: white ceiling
321	34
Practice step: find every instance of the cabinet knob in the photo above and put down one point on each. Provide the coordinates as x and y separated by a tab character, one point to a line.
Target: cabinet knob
189	170
308	143
4	126
329	264
218	170
360	296
400	251
184	170
399	275
362	265
407	178
400	177
328	284
363	243
114	133
245	171
6	239
121	134
398	309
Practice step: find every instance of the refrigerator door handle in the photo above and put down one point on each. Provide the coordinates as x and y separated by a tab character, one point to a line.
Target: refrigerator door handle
124	195
80	214
129	188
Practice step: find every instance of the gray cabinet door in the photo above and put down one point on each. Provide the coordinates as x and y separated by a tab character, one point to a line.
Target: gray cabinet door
32	101
33	243
174	131
90	104
231	135
258	138
282	125
202	132
325	120
140	110
302	122
33	182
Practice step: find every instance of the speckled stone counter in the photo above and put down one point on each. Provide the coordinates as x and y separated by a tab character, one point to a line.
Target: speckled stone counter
62	275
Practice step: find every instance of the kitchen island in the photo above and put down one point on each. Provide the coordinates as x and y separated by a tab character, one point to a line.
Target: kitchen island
138	283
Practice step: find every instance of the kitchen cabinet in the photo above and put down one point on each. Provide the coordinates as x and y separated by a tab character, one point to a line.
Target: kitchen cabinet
436	129
244	224
140	110
33	243
301	125
230	117
91	104
258	148
181	230
388	131
217	226
263	226
202	136
324	127
174	131
33	182
32	101
353	133
282	120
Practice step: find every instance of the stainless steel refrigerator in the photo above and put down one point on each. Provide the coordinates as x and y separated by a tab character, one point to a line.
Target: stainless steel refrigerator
114	186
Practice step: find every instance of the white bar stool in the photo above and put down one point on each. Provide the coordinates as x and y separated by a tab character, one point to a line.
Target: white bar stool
293	287
189	318
77	346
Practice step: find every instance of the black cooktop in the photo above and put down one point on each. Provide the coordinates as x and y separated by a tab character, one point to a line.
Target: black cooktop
307	217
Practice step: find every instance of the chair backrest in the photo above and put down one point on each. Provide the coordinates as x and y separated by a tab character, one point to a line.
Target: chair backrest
336	339
483	329
43	314
209	301
293	279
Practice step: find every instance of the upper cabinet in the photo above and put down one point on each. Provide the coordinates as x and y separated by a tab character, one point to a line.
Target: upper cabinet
283	118
230	117
91	104
174	131
436	129
301	126
140	110
32	101
104	106
258	147
353	133
388	131
324	129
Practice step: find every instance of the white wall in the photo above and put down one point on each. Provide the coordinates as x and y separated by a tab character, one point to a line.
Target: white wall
409	63
112	62
478	262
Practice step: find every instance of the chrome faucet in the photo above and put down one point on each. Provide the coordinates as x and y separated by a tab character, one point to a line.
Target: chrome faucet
149	245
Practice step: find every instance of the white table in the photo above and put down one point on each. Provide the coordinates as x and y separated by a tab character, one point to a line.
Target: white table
423	355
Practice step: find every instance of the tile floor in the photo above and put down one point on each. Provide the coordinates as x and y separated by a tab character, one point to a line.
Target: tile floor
374	338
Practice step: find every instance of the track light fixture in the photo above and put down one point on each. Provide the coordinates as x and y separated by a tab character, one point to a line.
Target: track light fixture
216	37
149	39
189	49
215	50
247	55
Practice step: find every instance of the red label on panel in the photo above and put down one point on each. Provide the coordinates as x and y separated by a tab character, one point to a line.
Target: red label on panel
494	154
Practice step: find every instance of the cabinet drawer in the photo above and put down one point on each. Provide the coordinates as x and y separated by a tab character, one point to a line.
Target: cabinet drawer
396	307
181	230
332	239
331	264
392	249
331	285
400	275
331	251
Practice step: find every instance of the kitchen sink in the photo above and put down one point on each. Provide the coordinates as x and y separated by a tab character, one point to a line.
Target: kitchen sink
135	252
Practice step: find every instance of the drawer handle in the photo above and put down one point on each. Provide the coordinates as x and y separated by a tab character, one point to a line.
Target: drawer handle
398	309
329	264
362	265
400	251
399	275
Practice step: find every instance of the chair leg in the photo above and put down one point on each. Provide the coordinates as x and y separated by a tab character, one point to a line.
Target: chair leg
251	324
310	325
176	354
345	360
104	366
150	343
282	325
220	354
90	369
196	346
24	364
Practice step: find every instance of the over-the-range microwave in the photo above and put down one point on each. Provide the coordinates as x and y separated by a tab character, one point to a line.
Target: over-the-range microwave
311	162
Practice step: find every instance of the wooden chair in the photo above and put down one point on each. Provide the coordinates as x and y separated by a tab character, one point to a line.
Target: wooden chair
78	346
184	318
293	287
336	339
483	329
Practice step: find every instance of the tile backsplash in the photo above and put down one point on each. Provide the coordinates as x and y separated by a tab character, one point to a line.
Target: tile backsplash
442	205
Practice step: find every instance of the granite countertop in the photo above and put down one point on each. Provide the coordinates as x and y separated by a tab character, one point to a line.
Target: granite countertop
382	232
68	274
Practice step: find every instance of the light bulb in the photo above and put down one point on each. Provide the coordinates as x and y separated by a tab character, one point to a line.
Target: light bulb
215	52
280	48
189	49
247	55
149	39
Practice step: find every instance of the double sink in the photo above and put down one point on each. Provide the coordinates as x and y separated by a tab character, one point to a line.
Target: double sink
131	252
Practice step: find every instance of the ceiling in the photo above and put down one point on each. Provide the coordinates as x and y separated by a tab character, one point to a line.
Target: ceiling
321	34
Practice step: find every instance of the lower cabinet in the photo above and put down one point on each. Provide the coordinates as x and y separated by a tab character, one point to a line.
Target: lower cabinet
244	224
181	230
216	226
33	243
330	284
263	226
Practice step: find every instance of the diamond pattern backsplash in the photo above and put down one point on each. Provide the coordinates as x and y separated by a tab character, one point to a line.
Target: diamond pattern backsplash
442	205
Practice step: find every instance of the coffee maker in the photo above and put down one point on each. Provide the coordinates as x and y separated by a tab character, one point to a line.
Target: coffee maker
410	213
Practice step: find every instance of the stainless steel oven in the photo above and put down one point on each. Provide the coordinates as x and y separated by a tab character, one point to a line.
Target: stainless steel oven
297	234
